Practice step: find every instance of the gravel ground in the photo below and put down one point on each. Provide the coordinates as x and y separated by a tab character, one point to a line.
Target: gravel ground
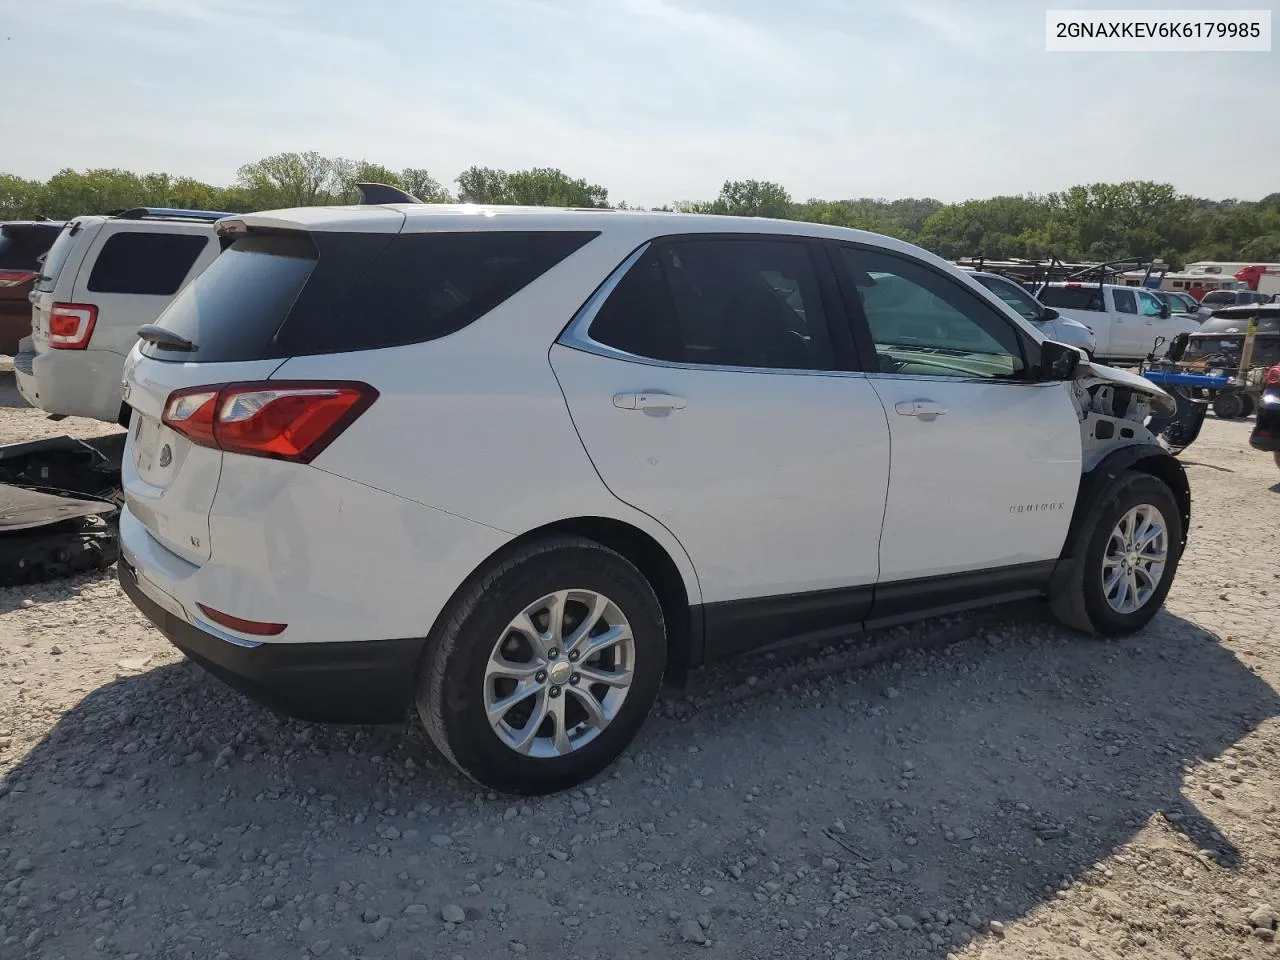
993	786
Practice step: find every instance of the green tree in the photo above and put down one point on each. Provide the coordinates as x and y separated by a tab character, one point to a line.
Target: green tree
536	187
423	185
20	199
753	198
483	185
291	180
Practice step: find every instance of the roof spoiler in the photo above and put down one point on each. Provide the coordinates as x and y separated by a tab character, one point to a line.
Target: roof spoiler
378	193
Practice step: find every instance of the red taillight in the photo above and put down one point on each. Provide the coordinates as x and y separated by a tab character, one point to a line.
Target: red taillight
1072	284
1273	376
15	278
71	325
280	420
257	628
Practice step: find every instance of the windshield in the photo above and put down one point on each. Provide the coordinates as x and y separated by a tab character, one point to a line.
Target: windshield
57	256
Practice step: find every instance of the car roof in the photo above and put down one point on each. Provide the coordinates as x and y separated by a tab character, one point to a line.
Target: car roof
635	224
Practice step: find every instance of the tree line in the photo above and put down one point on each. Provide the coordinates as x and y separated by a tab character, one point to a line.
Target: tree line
1098	221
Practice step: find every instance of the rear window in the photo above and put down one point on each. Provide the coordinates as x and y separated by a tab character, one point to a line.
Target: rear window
146	264
294	294
1072	298
57	256
232	309
21	244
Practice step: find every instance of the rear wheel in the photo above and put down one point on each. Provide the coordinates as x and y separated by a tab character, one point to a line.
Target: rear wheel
1228	406
1127	552
545	668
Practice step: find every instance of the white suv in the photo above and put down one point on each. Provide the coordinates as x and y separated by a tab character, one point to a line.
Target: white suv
103	278
515	465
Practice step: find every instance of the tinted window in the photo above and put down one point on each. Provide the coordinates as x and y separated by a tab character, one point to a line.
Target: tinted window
21	244
1013	295
726	302
1072	298
297	294
1124	301
232	310
1148	305
57	257
1218	297
925	324
149	264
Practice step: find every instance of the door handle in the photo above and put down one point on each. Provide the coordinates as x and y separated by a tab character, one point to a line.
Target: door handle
655	402
923	409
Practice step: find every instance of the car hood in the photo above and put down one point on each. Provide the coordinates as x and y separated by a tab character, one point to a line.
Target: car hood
1097	373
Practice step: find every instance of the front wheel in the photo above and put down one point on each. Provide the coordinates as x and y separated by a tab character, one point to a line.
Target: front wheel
544	668
1127	552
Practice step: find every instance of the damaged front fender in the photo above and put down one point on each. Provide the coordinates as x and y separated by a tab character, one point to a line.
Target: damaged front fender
1114	407
1092	374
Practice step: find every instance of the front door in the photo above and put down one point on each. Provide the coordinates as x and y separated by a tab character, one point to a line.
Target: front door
985	464
707	393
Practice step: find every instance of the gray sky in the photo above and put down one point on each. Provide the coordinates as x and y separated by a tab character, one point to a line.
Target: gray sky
658	100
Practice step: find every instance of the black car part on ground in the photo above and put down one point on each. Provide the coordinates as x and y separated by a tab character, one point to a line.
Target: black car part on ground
59	502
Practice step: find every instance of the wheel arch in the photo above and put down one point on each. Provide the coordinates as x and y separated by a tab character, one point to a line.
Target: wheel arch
1143	458
672	582
1148	458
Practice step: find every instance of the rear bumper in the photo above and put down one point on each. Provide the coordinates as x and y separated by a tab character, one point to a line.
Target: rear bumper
73	383
365	682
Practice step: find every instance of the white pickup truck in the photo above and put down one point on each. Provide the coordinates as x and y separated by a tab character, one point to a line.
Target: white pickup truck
1125	320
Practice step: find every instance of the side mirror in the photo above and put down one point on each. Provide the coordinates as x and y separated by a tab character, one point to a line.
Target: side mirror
1164	311
1177	347
1049	314
1058	361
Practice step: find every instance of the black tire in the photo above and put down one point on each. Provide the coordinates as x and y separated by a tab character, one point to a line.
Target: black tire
1277	456
1081	603
450	689
1228	406
1249	406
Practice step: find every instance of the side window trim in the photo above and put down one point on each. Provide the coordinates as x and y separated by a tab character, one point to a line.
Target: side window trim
576	333
862	329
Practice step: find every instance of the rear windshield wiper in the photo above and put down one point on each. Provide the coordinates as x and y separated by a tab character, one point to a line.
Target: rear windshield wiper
165	338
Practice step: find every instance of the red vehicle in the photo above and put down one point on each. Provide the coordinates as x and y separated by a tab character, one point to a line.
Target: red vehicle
23	245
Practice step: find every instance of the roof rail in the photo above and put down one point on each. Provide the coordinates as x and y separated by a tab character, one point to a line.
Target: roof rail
170	213
377	193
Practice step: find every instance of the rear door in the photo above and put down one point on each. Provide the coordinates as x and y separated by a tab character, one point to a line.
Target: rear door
985	463
133	269
704	383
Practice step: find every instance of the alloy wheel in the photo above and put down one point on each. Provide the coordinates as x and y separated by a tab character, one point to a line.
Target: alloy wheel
559	673
1134	559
